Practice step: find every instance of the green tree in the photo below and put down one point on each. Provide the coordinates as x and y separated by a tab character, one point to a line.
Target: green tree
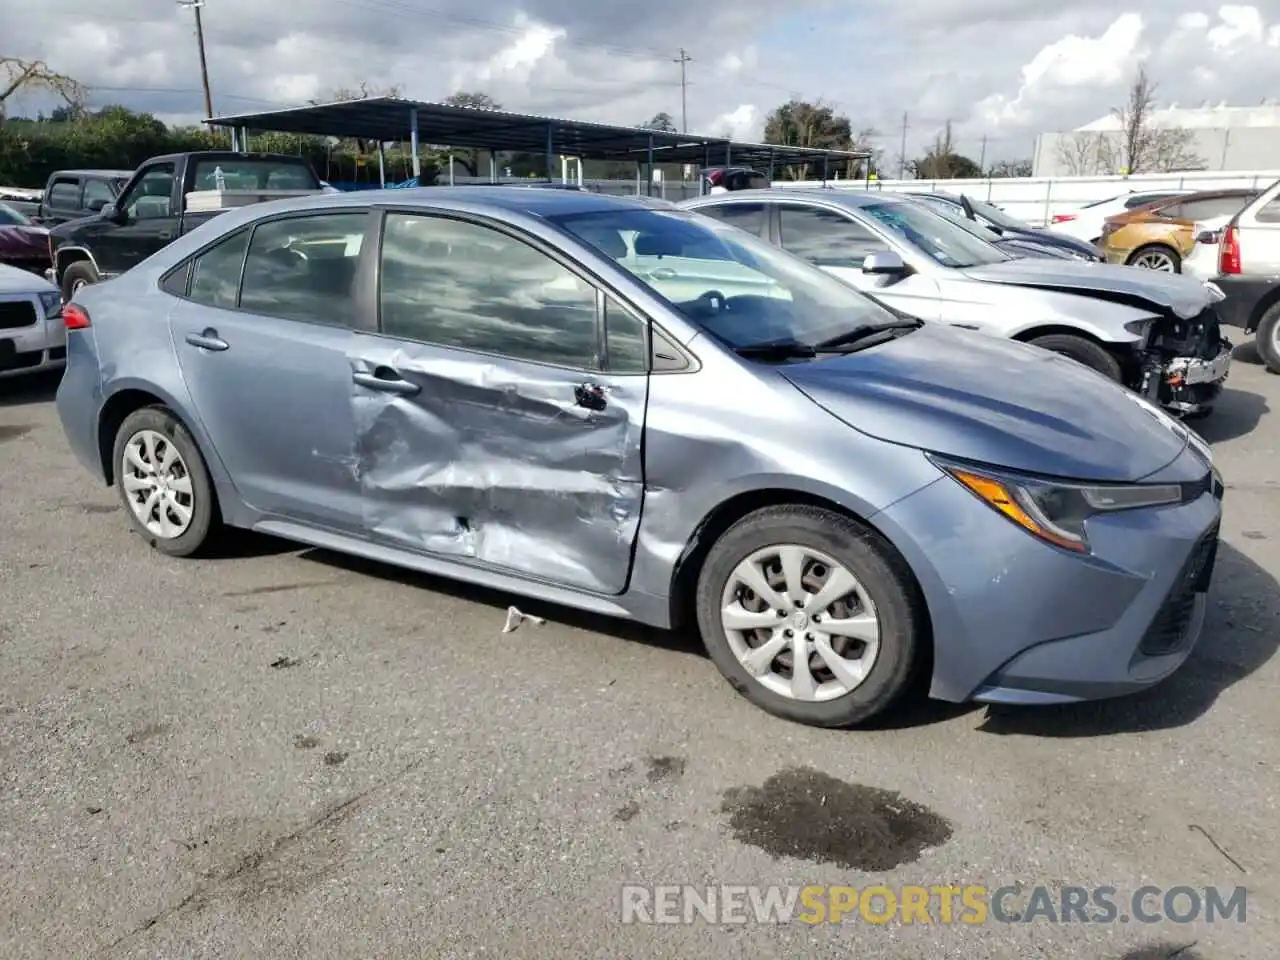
660	121
942	162
800	123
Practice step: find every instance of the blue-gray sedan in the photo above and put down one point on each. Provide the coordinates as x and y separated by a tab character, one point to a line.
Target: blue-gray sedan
645	413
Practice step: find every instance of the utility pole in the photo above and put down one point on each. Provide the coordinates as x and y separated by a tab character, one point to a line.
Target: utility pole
195	6
902	154
684	89
982	157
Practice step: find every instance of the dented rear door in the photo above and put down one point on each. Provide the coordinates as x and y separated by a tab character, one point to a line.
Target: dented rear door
491	425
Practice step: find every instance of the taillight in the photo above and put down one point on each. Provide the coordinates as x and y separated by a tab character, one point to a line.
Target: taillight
1229	251
75	317
1063	217
714	177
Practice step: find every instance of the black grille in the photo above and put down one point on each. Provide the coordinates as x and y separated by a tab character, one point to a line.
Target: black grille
1168	631
16	314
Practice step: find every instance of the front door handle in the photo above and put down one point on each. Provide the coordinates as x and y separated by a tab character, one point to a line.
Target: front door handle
207	339
592	396
387	380
166	234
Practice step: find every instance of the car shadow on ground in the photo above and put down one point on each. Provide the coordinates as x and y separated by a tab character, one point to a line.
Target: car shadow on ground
675	641
1236	414
29	390
1239	638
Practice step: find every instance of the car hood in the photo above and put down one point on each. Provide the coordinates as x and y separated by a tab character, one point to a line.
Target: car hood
1185	296
1054	239
13	280
1023	247
987	399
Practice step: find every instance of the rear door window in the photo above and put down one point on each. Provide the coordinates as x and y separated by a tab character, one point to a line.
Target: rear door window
304	268
64	194
745	216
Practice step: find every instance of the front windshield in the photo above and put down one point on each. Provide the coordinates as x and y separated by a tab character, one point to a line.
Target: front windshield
934	235
993	214
736	286
946	210
10	217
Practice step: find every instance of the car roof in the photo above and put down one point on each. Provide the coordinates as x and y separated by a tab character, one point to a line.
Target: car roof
843	198
113	174
474	199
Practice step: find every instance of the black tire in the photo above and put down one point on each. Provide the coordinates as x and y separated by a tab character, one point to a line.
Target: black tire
205	517
1174	257
1267	338
79	274
1082	350
881	572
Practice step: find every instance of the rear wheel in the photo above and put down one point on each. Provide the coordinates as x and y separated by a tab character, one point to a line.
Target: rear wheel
1156	257
1267	338
810	616
1082	350
163	482
78	275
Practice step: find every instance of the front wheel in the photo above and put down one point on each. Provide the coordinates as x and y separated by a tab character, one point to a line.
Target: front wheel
810	616
1082	350
163	482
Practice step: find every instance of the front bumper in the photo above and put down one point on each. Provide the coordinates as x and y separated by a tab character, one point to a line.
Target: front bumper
33	346
1194	383
1018	621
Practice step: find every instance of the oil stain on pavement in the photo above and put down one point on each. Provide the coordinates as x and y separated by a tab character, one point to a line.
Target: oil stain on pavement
806	814
13	431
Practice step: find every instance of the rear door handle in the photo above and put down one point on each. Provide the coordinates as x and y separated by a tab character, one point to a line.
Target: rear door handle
386	380
207	339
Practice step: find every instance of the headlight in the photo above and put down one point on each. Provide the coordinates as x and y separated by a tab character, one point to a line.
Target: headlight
1056	511
1139	328
1215	292
52	302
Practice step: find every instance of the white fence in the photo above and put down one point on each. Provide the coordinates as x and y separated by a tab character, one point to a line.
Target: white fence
1037	199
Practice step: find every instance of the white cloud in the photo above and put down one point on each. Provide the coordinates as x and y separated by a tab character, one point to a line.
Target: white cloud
743	122
1003	70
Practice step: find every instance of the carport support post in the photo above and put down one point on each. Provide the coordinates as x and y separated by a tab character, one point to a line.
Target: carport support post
648	188
382	165
824	170
413	142
493	167
551	152
451	169
771	167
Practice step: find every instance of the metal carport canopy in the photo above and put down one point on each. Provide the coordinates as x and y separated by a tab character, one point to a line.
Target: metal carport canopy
391	119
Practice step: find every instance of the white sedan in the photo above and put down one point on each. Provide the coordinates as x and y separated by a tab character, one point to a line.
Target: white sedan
32	334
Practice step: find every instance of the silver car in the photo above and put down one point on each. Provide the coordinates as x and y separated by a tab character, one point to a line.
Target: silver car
32	337
647	414
1158	335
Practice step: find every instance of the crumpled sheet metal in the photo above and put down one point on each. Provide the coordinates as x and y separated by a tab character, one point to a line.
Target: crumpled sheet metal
495	462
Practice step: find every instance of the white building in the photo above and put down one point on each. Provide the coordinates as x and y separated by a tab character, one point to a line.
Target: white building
1218	138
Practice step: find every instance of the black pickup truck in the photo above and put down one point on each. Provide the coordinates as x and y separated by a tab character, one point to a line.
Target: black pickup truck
153	209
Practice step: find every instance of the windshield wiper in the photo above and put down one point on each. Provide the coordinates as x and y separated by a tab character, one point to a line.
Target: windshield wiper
777	350
859	337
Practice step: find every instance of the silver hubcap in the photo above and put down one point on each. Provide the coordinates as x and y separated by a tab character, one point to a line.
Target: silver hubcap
156	484
1154	260
800	623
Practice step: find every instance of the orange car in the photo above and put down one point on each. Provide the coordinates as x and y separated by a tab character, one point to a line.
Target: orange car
1160	234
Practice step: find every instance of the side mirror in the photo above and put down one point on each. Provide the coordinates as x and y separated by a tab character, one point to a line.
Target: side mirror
109	211
96	206
886	263
1207	236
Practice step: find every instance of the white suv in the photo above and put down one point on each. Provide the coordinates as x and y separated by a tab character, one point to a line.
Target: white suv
32	334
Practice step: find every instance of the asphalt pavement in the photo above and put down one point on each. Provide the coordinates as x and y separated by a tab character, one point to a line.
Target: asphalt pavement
286	753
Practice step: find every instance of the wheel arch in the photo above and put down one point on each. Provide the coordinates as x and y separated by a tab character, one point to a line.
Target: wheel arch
1260	309
682	595
64	257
